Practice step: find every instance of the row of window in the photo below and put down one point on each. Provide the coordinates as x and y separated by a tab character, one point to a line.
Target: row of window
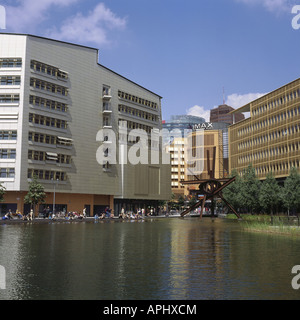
49	70
138	113
271	152
43	156
8	135
285	115
134	125
47	121
132	98
9	98
48	139
277	102
284	132
48	104
10	80
10	63
48	86
7	172
7	153
278	168
47	175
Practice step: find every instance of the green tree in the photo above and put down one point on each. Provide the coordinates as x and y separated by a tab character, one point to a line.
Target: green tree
192	201
180	202
250	189
2	192
36	194
232	193
270	194
291	191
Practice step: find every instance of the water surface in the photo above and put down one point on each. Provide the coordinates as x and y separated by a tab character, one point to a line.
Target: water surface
155	259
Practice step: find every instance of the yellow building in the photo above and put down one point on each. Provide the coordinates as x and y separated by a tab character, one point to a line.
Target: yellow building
270	138
201	155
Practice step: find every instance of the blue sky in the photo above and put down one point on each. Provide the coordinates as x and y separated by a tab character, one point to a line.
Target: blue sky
185	51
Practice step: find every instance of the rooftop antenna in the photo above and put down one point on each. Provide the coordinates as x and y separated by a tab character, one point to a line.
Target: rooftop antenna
223	96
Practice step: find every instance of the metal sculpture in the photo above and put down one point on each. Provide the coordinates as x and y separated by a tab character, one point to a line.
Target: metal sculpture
210	188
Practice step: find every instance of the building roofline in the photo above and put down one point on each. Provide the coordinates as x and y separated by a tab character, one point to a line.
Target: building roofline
49	39
82	46
129	80
246	107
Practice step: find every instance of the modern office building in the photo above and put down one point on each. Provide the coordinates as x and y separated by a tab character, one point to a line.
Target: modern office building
61	112
223	114
270	138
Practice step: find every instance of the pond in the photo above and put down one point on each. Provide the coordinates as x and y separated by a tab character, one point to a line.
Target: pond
157	259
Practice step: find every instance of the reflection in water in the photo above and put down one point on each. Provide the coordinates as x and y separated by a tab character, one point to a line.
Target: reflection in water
154	259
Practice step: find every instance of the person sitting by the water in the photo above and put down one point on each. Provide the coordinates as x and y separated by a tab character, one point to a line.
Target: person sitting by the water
107	212
19	214
96	216
31	215
80	215
132	216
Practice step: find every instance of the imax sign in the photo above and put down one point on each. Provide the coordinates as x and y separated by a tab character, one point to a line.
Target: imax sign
204	125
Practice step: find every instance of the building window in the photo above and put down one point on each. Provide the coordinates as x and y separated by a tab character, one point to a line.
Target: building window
8	135
48	86
47	121
10	80
138	113
9	98
47	174
106	91
10	63
49	70
134	99
7	153
7	172
48	104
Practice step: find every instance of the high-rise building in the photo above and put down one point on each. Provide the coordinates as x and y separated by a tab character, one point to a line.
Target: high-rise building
270	138
60	113
223	114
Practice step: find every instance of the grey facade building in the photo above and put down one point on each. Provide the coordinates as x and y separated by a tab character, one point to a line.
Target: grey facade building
60	111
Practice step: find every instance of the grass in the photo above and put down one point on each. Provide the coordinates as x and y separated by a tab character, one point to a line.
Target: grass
265	223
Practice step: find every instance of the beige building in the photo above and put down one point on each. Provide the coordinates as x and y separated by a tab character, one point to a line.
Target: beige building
60	113
178	166
270	138
203	141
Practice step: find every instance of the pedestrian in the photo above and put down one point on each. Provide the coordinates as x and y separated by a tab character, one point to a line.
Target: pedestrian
31	215
123	213
84	213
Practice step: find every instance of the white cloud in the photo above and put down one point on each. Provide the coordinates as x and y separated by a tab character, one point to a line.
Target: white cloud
238	100
234	100
30	13
272	5
92	28
199	112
